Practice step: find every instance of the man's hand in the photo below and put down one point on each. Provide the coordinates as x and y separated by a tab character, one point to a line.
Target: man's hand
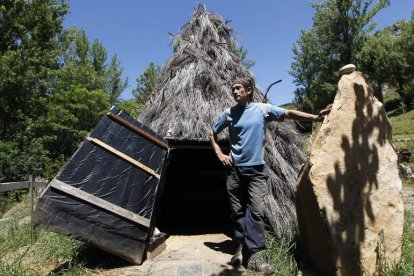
226	160
324	112
319	118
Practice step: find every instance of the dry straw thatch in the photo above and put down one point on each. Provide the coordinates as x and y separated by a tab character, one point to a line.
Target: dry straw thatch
193	89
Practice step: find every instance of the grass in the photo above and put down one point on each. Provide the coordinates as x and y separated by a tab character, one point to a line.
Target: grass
406	265
281	255
19	256
402	123
14	270
403	130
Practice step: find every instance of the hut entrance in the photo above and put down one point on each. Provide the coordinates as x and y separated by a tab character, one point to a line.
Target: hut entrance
194	200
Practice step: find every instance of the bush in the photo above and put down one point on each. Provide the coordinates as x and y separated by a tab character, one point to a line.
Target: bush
392	104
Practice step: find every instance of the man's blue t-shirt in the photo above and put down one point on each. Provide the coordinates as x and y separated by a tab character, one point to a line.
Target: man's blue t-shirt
247	126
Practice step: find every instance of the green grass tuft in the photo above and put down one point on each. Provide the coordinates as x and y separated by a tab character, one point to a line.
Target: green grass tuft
406	264
280	254
407	255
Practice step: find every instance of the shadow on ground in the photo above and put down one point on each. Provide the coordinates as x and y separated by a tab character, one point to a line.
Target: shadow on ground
224	247
92	258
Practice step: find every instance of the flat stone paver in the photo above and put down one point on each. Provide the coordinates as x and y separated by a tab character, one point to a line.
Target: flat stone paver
197	255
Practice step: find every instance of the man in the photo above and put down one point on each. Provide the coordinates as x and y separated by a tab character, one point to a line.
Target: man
247	174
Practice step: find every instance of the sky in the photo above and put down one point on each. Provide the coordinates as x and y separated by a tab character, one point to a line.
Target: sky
137	31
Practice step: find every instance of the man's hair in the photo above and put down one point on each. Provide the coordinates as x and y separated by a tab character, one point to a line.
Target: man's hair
247	82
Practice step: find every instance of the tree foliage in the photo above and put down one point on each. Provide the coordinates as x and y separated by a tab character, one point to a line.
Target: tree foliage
114	84
146	82
405	81
380	60
85	64
340	29
241	53
132	106
144	87
387	58
55	86
29	48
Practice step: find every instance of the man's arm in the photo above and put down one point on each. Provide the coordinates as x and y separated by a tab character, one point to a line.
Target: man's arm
303	116
300	116
224	159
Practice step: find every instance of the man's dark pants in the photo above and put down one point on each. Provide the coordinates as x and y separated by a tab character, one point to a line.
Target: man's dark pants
246	187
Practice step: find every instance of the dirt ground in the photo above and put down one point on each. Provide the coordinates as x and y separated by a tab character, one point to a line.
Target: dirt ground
408	197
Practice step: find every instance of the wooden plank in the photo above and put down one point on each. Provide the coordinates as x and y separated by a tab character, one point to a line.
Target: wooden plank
61	186
137	130
9	186
31	193
155	246
5	187
124	156
39	183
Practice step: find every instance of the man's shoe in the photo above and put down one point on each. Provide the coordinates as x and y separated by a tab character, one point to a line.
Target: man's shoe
257	262
237	259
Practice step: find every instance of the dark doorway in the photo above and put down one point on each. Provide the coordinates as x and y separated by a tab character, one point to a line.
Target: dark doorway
194	199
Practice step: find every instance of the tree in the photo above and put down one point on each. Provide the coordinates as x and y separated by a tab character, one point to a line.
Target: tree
241	53
17	163
387	58
145	85
340	29
114	82
405	81
80	67
29	50
146	82
29	53
131	106
380	59
84	64
71	115
54	88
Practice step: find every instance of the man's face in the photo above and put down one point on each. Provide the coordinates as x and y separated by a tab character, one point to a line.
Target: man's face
240	95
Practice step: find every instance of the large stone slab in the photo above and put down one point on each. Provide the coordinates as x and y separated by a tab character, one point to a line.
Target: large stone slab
349	202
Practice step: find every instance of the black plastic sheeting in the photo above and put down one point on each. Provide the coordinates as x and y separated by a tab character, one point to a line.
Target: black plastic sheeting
99	172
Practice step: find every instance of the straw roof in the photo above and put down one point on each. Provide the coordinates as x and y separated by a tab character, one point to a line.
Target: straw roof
193	89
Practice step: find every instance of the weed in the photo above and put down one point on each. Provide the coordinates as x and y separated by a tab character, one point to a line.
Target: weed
384	265
405	266
407	255
280	254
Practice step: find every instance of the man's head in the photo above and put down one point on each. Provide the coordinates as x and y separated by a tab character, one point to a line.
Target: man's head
242	90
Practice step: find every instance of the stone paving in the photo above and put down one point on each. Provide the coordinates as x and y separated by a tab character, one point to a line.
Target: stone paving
198	255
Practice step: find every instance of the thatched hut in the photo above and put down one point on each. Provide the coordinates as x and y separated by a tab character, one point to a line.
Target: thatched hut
192	90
